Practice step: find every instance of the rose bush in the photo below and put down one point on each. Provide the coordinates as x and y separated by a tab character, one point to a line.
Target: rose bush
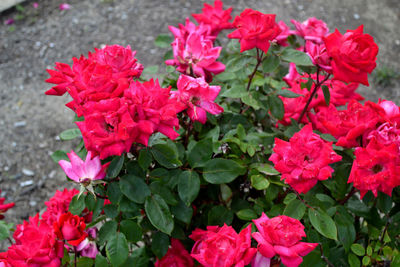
258	153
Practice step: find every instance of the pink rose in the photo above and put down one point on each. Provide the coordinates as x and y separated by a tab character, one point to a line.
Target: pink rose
222	246
311	30
319	56
281	235
391	109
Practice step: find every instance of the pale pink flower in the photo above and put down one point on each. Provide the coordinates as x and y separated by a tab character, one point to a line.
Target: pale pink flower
88	247
260	261
311	29
65	6
83	171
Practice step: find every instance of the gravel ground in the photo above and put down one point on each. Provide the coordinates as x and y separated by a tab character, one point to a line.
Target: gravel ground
30	121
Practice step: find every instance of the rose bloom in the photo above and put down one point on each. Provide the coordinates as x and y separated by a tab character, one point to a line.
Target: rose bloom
222	246
376	168
311	29
281	236
386	134
177	256
35	245
294	106
215	17
392	111
88	247
198	96
70	228
318	55
304	160
353	55
58	205
4	206
255	29
281	39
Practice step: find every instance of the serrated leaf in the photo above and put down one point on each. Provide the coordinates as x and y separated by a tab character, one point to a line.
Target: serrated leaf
161	189
117	249
246	214
323	223
163	41
182	212
59	155
114	193
276	106
159	244
100	261
251	101
270	63
221	171
358	249
166	155
288	93
188	186
131	230
219	215
200	153
144	159
108	230
259	182
297	57
327	94
70	134
77	205
115	166
158	213
236	91
264	168
295	209
134	188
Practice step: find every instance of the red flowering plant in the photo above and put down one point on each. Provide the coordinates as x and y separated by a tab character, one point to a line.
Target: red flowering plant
260	152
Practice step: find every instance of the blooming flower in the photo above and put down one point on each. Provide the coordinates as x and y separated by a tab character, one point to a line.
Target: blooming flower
281	39
58	205
88	247
83	171
391	109
70	228
222	246
281	235
304	160
198	96
318	55
177	256
4	206
311	29
255	29
215	17
35	245
385	134
376	168
353	55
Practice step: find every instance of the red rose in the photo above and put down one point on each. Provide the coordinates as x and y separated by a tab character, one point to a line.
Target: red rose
177	256
281	235
71	228
353	55
4	206
222	246
58	205
255	29
304	160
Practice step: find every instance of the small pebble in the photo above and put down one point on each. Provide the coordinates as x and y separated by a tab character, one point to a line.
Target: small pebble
52	173
28	172
19	124
32	203
26	183
356	16
397	42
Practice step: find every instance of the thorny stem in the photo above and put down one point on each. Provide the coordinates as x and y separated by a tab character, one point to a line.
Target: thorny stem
325	258
259	61
316	87
349	195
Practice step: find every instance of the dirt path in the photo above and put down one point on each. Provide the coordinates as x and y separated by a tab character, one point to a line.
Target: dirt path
30	121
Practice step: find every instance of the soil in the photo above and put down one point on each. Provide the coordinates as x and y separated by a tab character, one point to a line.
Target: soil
31	121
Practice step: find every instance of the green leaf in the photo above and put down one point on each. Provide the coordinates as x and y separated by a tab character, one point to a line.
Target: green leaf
200	153
219	215
328	137
161	189
134	188
265	168
358	249
70	134
166	155
251	101
297	57
327	94
270	63
182	212
111	210
4	231
77	205
144	159
59	155
295	209
236	91
246	214
114	193
115	166
131	230
158	213
259	182
100	261
150	70
188	186
107	231
238	63
276	106
384	202
345	226
353	260
366	260
288	94
117	249
323	223
221	171
84	262
159	244
163	41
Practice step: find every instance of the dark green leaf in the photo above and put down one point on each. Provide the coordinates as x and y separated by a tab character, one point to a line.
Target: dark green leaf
384	202
323	223
264	168
163	41
182	212
345	226
328	137
70	134
327	94
270	63
111	210
358	249
259	182
276	106
159	244
166	155
188	186
221	171
134	188
131	230
100	261
161	189
297	57
4	231
77	205
117	249
246	214
114	193
200	153
251	100
84	262
353	260
236	91
107	231
115	166
144	159
158	213
295	209
288	93
219	215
